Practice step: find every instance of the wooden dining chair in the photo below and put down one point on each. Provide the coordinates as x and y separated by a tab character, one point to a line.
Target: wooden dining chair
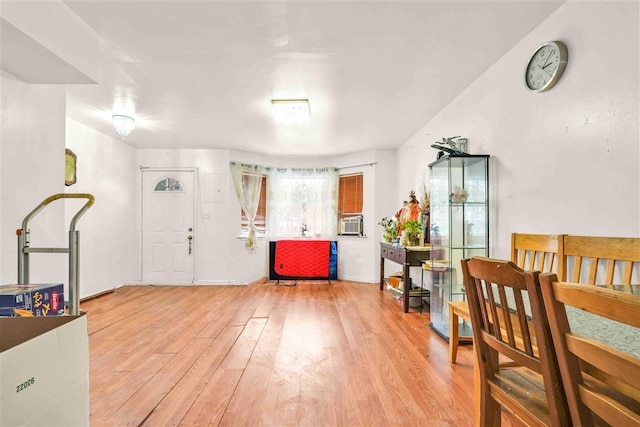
539	252
604	261
512	345
601	382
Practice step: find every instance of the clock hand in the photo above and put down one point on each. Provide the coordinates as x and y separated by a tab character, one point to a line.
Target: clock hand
547	60
542	68
545	66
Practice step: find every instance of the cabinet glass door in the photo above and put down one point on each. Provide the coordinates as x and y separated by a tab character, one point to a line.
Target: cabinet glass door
459	230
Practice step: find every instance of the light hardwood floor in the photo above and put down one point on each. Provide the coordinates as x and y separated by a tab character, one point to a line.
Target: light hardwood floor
314	354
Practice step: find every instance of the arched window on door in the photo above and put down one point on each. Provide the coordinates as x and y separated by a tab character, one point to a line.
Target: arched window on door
168	184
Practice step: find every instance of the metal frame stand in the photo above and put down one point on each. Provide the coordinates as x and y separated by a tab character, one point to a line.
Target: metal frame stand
73	250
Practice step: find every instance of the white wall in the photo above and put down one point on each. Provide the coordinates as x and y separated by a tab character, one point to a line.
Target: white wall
106	168
32	141
355	254
221	255
563	161
32	146
32	133
359	258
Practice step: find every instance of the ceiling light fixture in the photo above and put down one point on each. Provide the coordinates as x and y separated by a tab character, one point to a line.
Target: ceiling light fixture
123	125
290	111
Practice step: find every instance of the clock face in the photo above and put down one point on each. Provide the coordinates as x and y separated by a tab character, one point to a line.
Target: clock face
546	66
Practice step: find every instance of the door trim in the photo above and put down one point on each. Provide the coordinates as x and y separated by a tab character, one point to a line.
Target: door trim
196	197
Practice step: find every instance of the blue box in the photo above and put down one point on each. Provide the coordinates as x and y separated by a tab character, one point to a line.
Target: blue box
31	300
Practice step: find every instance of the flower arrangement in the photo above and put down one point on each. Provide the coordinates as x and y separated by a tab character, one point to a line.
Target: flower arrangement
390	229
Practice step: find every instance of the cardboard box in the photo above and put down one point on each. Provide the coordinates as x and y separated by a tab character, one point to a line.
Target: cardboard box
32	300
44	371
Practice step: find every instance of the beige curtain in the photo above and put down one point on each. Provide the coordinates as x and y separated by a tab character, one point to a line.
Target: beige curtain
247	180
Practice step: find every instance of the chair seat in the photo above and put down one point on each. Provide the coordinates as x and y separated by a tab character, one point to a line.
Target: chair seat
513	386
461	308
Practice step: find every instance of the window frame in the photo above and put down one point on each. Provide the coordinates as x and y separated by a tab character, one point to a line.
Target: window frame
261	216
358	198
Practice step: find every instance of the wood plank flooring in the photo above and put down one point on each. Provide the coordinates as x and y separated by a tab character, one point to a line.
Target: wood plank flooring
264	355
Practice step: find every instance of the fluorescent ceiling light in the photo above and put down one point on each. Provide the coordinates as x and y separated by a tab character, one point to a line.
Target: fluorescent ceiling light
290	111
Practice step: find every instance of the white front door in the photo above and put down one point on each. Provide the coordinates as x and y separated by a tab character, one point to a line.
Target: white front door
168	231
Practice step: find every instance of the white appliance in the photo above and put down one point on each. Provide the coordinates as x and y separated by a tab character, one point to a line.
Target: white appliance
351	225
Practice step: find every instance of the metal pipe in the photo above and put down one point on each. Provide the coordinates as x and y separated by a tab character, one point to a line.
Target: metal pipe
23	243
48	200
74	284
21	257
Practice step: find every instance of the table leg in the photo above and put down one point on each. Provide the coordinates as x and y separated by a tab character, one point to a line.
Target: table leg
453	335
407	287
381	273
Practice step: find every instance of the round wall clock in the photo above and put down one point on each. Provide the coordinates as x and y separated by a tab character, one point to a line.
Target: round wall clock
546	66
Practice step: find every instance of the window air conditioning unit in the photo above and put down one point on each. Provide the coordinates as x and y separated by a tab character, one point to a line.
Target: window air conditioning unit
351	226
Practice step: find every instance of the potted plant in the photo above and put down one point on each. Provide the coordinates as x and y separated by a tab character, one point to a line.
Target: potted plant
390	229
412	230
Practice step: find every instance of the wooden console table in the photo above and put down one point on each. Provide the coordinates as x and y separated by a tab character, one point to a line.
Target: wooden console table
411	256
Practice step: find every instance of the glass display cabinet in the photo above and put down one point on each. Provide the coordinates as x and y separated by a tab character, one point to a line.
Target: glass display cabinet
459	187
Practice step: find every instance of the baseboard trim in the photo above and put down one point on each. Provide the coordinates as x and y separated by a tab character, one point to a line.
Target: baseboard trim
216	283
99	294
358	279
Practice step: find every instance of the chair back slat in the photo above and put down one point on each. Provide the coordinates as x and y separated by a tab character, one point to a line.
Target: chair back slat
508	320
491	320
577	268
532	260
486	313
536	251
505	315
600	381
524	331
593	271
627	273
617	256
608	278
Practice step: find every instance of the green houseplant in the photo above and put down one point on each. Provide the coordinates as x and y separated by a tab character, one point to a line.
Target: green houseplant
412	230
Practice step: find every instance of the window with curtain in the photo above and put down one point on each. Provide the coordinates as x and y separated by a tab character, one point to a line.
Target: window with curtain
302	201
247	181
261	215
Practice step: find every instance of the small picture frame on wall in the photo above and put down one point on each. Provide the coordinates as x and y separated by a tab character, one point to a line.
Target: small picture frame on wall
69	167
